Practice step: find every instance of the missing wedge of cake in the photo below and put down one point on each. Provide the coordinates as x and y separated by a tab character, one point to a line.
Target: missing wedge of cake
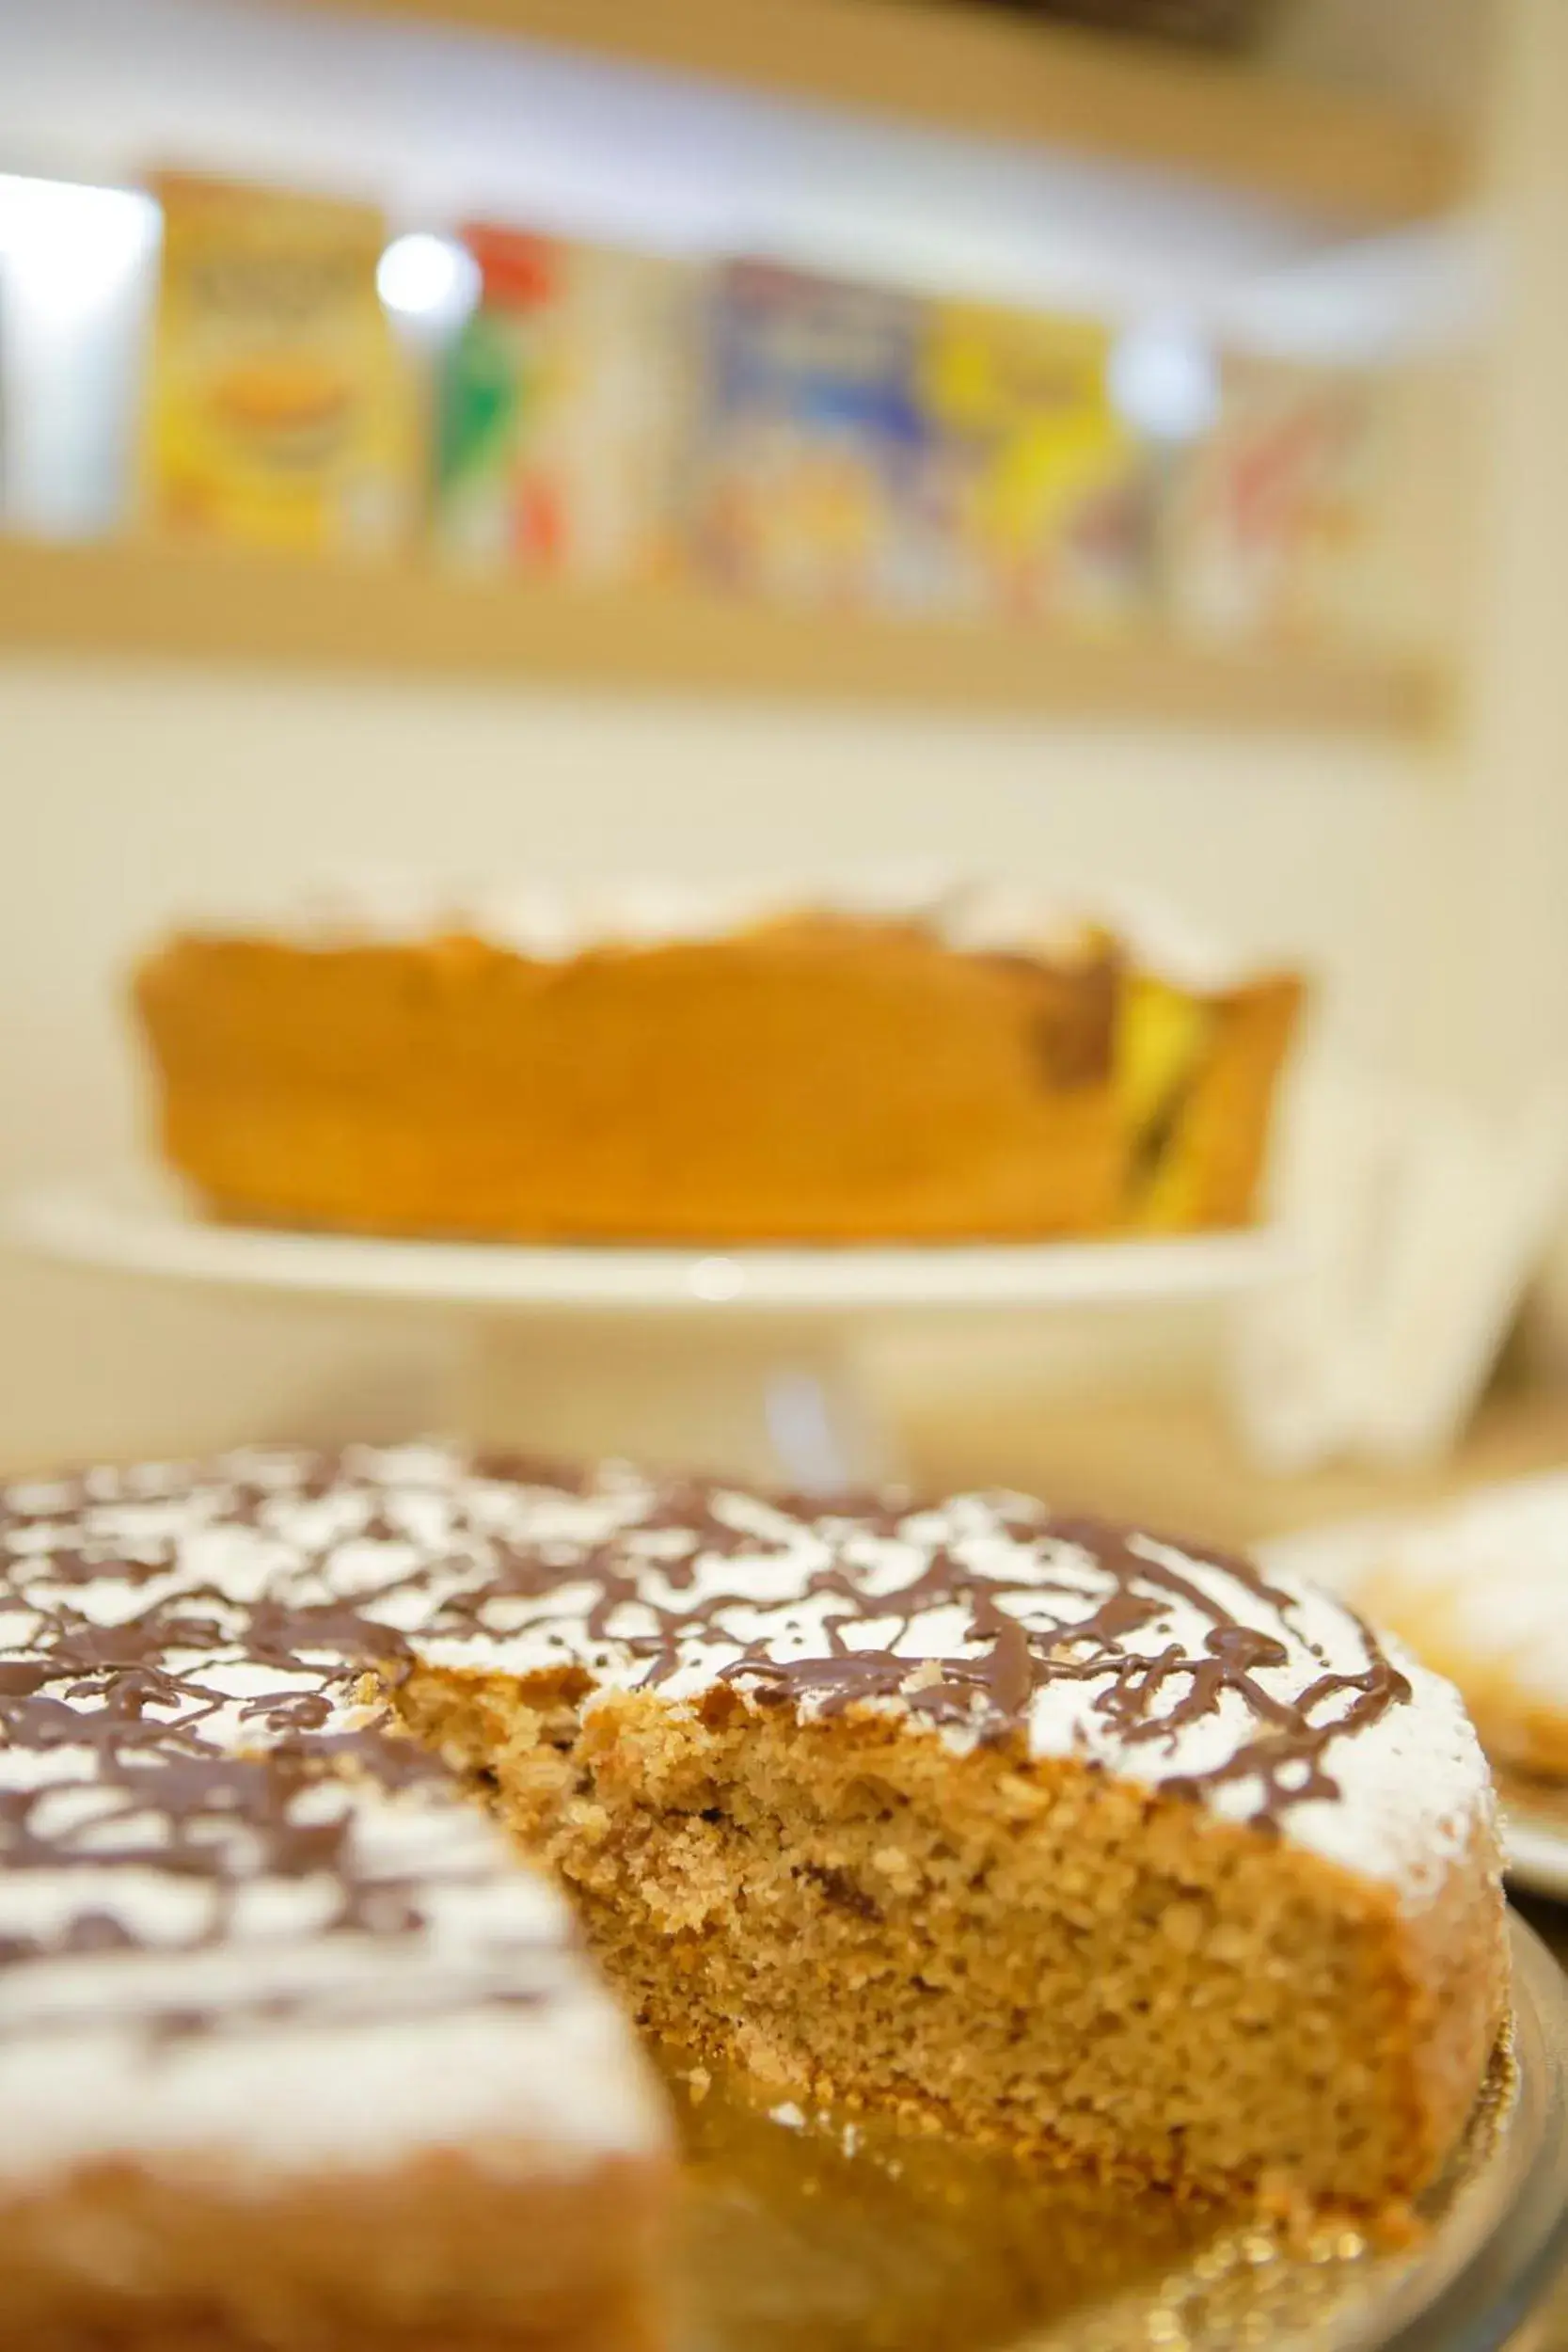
1105	1850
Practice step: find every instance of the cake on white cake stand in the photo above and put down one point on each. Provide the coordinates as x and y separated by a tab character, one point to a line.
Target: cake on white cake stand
739	1359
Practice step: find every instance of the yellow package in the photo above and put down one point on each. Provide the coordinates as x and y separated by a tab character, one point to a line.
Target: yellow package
1054	508
279	408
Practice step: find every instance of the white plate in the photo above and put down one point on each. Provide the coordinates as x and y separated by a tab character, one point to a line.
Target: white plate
132	1223
1536	1844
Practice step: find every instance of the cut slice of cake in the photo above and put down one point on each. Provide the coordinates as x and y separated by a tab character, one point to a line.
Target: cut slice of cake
294	2051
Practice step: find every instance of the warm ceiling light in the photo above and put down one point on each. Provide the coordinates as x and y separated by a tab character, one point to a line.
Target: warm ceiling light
432	279
1164	382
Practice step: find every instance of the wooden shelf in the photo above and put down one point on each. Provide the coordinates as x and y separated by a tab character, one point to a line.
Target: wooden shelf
958	66
127	598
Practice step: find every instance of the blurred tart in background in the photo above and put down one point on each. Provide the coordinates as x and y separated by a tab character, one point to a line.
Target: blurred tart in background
1478	1588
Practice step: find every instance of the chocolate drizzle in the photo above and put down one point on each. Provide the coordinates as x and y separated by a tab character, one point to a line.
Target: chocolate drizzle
190	1763
1019	1578
1144	1695
184	1654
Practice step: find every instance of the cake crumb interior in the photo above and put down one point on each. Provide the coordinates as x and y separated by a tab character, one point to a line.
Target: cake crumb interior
1025	1952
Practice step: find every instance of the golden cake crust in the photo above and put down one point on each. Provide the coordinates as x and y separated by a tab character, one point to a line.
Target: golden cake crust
433	2256
809	1079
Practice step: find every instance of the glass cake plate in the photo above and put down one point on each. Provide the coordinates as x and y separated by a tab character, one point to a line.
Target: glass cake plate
806	2237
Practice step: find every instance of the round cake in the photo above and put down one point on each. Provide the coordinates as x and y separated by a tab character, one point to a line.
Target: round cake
691	1068
1111	1850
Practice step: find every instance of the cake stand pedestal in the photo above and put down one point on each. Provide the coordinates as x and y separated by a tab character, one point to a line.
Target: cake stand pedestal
746	1361
760	1397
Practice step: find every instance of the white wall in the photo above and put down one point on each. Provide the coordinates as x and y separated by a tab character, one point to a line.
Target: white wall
131	798
1515	852
1431	53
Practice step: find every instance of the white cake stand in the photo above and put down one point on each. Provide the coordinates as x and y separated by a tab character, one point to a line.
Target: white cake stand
737	1359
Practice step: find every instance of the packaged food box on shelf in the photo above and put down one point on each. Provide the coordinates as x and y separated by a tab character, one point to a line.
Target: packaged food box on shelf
1268	523
809	440
562	405
279	410
1049	491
